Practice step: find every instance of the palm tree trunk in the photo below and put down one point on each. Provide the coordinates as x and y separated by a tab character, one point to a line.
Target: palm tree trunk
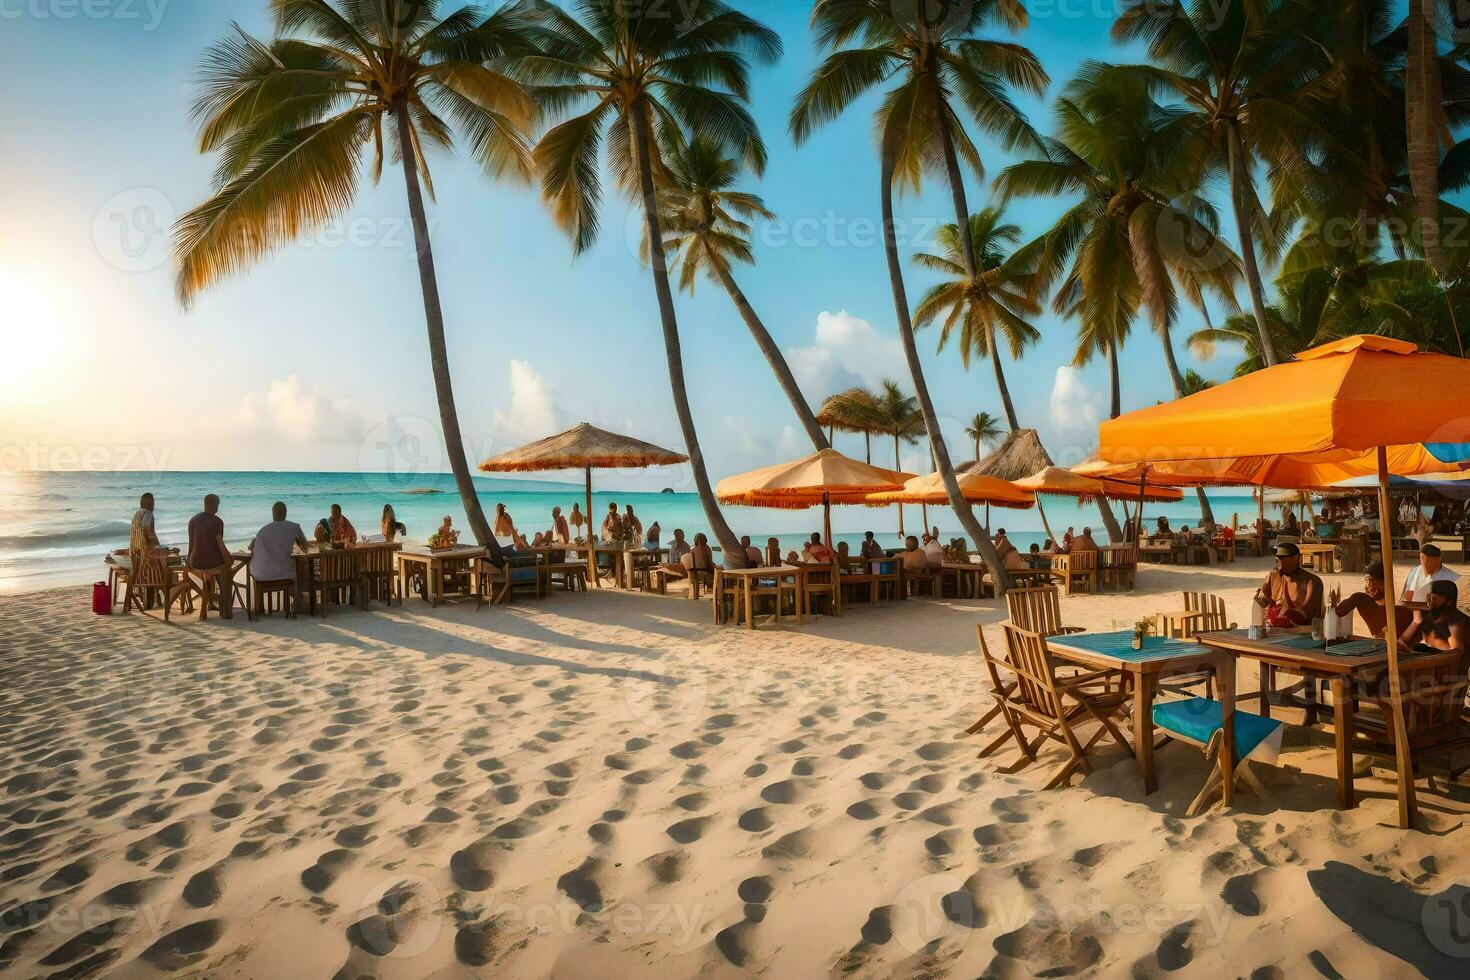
774	358
1423	104
438	352
868	447
1116	408
734	554
1110	522
1206	512
1239	176
1175	376
957	501
1001	386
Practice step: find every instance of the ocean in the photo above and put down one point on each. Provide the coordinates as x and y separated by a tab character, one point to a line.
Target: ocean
55	527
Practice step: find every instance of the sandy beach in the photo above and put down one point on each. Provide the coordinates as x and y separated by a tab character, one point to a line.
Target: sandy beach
607	784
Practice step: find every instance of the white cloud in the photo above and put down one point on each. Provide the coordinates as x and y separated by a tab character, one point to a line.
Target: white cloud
533	412
291	410
1076	411
848	351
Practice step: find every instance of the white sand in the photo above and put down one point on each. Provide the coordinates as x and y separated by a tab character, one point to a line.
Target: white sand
606	785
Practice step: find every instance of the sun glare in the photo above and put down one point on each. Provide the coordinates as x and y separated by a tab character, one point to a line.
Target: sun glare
36	326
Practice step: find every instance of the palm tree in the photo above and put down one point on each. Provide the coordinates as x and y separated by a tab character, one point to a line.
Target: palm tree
897	415
983	428
635	77
1305	314
1116	250
930	59
1424	123
292	118
996	301
1236	63
706	224
853	410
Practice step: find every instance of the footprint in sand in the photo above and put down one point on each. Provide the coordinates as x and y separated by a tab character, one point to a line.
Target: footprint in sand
87	943
321	875
692	801
184	946
203	889
688	831
756	820
869	809
734	942
582	885
666	867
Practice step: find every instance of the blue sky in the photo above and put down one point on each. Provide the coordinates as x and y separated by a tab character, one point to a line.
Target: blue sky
297	364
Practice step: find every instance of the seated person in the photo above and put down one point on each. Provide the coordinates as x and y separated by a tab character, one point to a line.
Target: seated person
143	541
914	561
1067	539
871	549
342	530
678	547
773	551
1442	626
1294	592
560	532
821	554
613	531
207	553
792	558
270	552
1429	570
701	558
1368	604
842	549
391	526
323	533
1161	529
632	526
654	534
934	552
1084	543
1035	560
753	556
504	526
1003	544
1225	537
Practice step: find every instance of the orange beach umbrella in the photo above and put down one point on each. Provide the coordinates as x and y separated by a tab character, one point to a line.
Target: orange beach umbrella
824	478
1339	404
974	488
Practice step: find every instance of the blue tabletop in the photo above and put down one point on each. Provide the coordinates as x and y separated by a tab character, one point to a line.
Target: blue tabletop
1119	645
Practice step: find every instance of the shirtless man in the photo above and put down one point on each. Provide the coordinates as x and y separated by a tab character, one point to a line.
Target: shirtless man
1368	604
1442	627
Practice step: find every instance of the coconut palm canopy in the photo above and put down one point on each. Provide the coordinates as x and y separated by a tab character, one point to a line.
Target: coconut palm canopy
584	447
976	489
1021	455
802	483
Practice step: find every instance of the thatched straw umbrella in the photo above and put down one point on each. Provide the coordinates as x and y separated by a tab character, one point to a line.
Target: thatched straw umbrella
588	448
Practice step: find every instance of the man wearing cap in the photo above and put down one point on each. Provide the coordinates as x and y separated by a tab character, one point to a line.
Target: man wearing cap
1429	570
1296	592
1368	604
1441	626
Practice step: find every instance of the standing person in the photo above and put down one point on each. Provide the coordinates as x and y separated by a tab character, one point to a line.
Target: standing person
578	519
560	533
342	530
1295	592
632	526
270	552
391	528
1067	542
143	538
1429	570
504	526
210	559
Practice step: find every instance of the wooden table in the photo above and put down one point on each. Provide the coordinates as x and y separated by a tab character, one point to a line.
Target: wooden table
969	578
636	560
1291	650
747	578
1326	554
1159	658
433	565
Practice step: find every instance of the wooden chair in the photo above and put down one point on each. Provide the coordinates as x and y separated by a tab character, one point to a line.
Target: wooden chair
380	579
861	582
156	577
909	583
819	583
1119	568
210	588
1038	610
889	579
283	591
573	575
778	592
1199	722
1433	690
338	578
1075	567
1052	705
497	585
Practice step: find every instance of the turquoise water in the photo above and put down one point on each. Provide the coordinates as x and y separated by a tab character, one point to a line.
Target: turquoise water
56	527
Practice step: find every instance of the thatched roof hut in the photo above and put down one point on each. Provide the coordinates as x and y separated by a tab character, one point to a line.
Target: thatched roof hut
1020	456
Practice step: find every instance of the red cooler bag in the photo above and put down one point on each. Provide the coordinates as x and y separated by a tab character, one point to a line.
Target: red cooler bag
102	599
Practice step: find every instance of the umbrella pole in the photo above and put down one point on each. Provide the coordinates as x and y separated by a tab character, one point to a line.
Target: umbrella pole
591	546
827	520
1407	805
900	522
926	517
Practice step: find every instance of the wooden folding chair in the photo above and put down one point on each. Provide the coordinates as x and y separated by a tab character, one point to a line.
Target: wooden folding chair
155	575
909	583
1053	705
338	578
1212	619
1433	690
282	591
498	584
815	584
380	580
1038	609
